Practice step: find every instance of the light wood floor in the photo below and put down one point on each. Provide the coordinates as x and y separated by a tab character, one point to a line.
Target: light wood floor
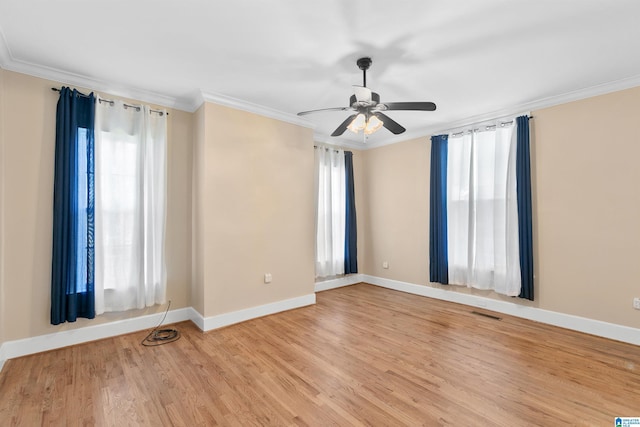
363	355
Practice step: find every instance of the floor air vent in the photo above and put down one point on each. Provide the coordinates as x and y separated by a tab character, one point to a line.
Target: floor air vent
490	316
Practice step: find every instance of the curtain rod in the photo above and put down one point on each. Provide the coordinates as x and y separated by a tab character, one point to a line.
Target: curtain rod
326	148
111	102
485	128
488	127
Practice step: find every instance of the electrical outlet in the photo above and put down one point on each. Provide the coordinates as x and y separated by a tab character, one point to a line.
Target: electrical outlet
636	303
385	264
267	278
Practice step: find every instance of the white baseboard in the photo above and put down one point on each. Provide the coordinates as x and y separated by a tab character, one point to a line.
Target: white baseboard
350	279
567	321
23	347
3	357
26	346
226	319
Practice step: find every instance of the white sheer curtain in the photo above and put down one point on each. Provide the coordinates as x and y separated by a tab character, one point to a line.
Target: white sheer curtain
330	211
482	211
130	206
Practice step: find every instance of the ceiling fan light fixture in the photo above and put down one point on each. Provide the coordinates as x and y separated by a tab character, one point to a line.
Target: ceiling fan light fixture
373	125
359	123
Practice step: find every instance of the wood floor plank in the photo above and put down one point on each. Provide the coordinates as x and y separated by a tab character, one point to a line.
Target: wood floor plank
362	355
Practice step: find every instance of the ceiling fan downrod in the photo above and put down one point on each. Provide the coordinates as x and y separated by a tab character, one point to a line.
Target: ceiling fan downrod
364	64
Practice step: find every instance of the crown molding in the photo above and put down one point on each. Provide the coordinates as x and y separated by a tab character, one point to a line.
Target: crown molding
538	104
5	53
98	85
579	94
239	104
9	63
189	104
192	103
515	110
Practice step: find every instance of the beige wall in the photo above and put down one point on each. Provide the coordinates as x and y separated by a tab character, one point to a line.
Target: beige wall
2	206
179	180
197	201
250	209
256	207
29	135
586	207
396	211
587	200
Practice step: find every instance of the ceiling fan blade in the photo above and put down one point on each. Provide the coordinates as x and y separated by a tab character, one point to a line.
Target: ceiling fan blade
393	126
343	126
363	94
303	113
419	106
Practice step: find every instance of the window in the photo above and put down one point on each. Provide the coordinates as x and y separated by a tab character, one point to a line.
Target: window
330	211
336	235
130	206
84	212
109	207
480	209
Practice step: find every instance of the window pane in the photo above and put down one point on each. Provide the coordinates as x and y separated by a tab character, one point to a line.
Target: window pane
120	192
81	230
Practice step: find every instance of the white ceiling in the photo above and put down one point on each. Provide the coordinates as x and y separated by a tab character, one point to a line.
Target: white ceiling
474	59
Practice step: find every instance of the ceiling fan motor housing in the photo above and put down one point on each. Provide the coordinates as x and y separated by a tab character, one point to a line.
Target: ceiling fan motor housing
364	63
375	100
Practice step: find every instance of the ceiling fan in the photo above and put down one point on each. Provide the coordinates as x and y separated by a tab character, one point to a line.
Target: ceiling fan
368	109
